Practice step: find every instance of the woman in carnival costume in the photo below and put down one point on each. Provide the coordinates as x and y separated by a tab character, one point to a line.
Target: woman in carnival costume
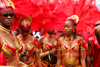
54	12
70	46
9	45
30	53
94	47
49	49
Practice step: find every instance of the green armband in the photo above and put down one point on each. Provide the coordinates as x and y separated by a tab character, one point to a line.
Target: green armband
19	56
48	52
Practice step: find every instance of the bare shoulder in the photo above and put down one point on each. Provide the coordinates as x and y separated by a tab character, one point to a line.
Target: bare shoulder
80	39
41	38
61	38
56	37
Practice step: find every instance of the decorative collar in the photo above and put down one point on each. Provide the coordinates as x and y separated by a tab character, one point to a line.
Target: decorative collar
69	38
5	30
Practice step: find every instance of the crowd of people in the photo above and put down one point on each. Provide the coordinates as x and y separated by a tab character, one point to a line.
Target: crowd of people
46	49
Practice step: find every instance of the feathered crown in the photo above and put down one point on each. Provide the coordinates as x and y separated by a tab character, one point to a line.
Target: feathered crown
75	18
25	21
6	3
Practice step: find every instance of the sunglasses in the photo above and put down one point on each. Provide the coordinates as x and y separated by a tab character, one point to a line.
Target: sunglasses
6	15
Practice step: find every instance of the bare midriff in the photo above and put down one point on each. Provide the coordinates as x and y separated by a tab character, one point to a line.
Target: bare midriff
29	61
27	45
70	60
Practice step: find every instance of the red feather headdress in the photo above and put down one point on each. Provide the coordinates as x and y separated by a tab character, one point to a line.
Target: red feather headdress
25	21
6	4
51	14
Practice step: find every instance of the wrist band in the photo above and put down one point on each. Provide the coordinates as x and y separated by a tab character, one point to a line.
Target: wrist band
19	56
59	48
82	48
37	50
48	52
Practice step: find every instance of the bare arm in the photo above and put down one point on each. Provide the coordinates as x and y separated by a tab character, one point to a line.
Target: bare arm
38	60
89	54
82	54
97	33
42	54
59	54
50	52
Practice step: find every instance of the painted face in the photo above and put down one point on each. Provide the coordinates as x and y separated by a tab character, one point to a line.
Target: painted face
60	33
50	31
24	31
6	16
69	27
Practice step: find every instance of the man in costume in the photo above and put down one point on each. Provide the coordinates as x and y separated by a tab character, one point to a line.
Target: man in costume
94	47
9	45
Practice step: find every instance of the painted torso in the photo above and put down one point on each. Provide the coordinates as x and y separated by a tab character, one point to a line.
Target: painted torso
49	44
28	44
70	52
9	45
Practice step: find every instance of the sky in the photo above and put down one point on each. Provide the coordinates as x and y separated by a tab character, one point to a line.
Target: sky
98	4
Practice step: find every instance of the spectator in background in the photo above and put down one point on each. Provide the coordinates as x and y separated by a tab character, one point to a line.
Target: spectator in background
60	33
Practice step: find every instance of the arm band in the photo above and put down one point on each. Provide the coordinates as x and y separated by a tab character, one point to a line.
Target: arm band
48	52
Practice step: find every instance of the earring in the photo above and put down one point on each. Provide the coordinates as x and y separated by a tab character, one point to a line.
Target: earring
74	30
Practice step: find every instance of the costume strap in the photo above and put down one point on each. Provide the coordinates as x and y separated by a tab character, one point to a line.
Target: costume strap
35	40
14	57
20	49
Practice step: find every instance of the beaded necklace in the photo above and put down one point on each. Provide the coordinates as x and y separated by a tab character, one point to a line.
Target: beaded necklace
69	40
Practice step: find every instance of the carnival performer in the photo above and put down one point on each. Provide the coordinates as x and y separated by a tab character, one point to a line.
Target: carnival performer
70	46
49	49
8	41
30	54
94	47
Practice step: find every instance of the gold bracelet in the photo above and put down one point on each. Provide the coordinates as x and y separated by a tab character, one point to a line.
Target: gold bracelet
82	48
37	50
59	49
